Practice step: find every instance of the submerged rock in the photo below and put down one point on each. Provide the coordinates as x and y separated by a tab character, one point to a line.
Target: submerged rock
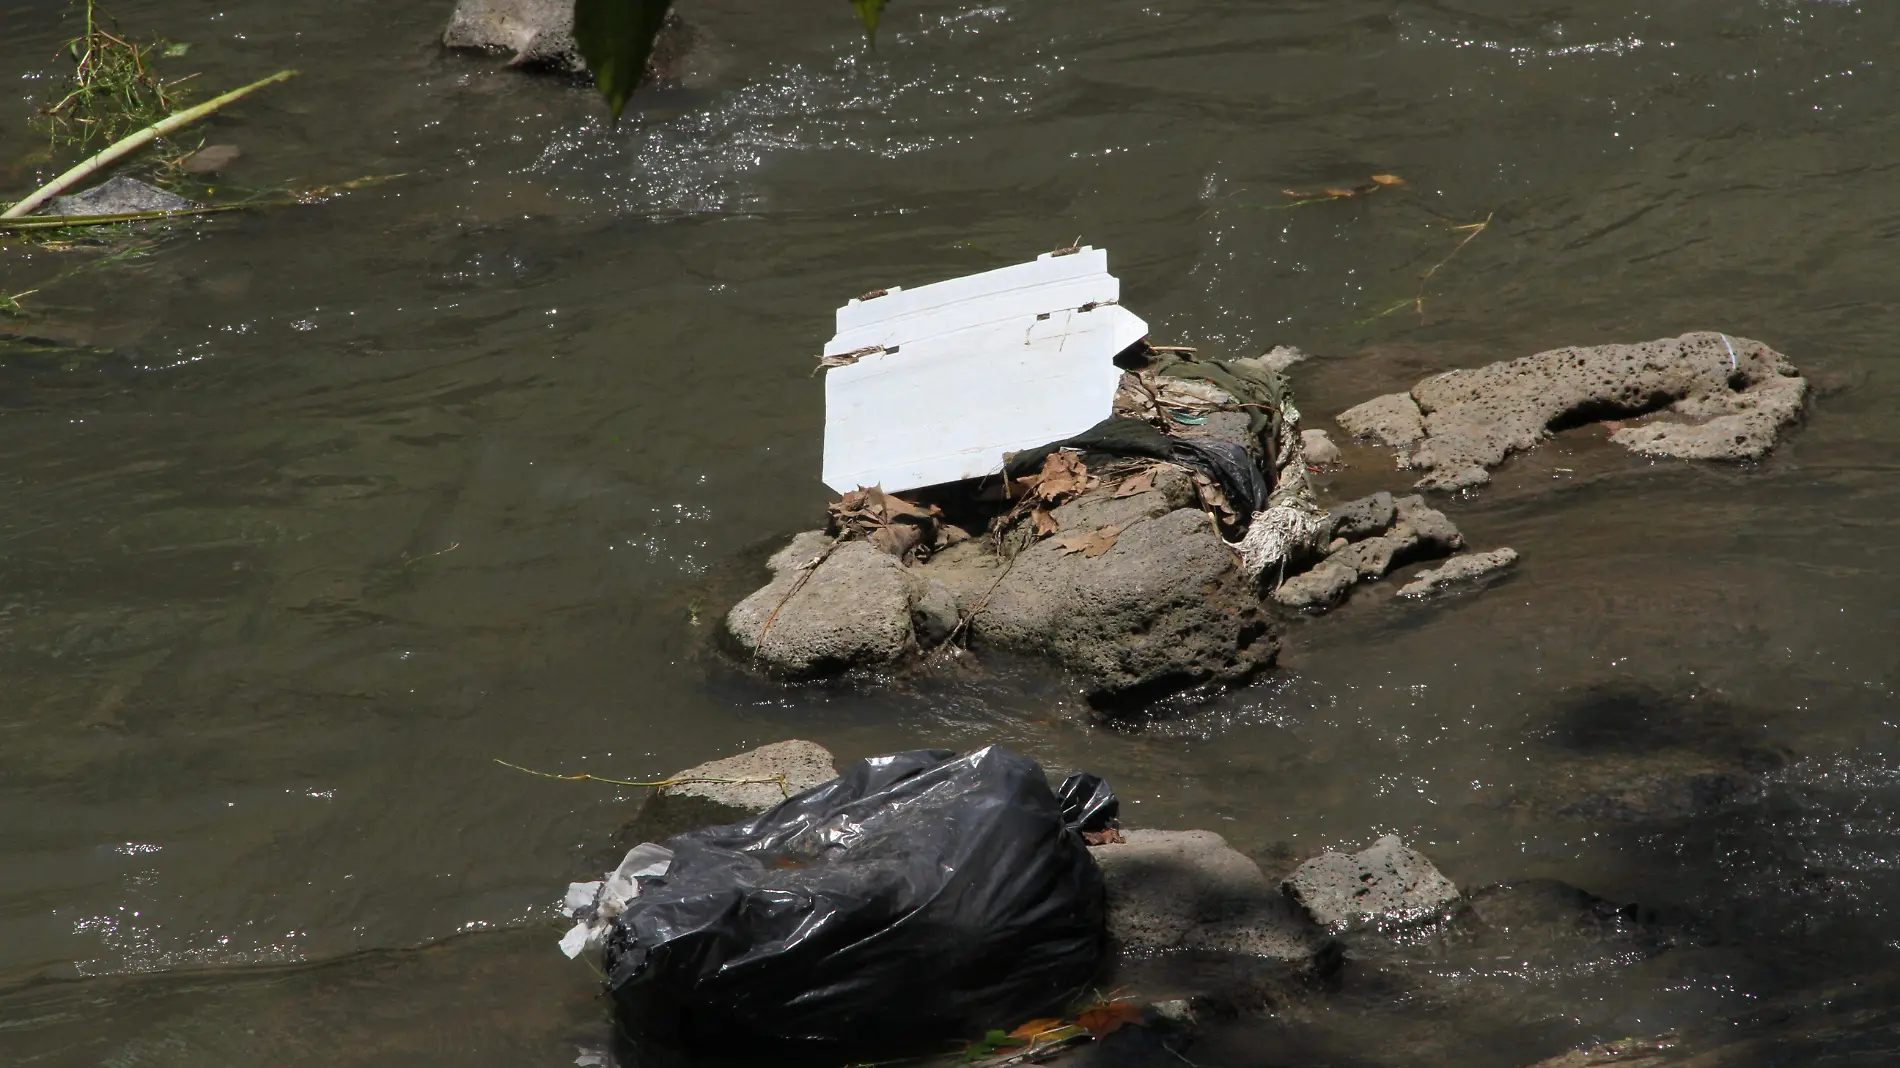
1459	569
540	33
1386	881
1318	589
1717	397
1190	890
119	196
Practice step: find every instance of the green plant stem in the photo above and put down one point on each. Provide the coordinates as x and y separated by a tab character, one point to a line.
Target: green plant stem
129	144
55	222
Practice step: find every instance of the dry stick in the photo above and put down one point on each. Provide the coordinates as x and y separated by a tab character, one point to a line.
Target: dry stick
131	143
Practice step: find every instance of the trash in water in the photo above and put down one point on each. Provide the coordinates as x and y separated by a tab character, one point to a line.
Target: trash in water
918	897
935	384
593	906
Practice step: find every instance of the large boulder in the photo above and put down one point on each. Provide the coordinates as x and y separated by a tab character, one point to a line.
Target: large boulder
1189	890
1164	608
1713	397
540	34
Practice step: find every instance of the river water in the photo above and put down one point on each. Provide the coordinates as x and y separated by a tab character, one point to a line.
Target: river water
309	515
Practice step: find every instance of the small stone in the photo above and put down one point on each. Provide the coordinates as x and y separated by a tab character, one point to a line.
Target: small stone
1374	557
1318	589
689	806
1281	357
1459	569
1365	517
1435	531
1320	450
119	196
210	159
1386	881
1393	419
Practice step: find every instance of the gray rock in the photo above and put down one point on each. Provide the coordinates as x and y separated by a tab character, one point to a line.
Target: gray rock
673	810
118	196
1174	488
1365	517
1393	419
1319	448
1386	881
1282	357
1373	557
853	611
540	33
934	613
1318	589
1434	531
1166	608
1189	890
1726	397
1459	569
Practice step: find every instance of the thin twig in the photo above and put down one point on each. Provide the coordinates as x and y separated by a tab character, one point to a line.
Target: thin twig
127	145
758	647
661	784
1417	302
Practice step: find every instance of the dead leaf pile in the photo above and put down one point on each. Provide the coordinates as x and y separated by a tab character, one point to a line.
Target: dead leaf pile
893	524
1063	478
1038	1038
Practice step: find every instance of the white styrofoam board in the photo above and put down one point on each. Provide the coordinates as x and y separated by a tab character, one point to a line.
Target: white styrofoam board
972	368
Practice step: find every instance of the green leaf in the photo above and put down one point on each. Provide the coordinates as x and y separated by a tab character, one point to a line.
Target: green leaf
868	12
615	37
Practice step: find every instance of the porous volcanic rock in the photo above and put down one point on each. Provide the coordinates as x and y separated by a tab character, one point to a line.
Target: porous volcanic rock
1710	396
1190	890
1386	881
540	34
1459	569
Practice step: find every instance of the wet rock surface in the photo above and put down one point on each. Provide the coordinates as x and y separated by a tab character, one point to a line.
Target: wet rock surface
1714	397
1386	881
540	34
1374	535
1190	890
1459	569
118	196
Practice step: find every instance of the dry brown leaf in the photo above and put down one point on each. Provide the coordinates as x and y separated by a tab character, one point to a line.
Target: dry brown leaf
1388	179
1034	1028
1335	191
1140	482
1110	836
1105	1019
1092	544
1045	523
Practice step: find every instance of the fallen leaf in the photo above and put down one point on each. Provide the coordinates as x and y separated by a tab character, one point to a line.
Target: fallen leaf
1140	482
1388	179
1105	1019
1035	1028
1335	191
1092	544
1063	475
1110	836
1045	523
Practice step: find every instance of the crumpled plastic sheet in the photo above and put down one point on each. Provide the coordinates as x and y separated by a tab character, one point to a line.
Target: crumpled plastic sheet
594	905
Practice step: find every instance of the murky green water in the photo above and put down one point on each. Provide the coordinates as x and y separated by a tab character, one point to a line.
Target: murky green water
316	511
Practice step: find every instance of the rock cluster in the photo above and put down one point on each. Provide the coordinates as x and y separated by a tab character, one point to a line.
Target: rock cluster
1153	601
1709	396
1370	537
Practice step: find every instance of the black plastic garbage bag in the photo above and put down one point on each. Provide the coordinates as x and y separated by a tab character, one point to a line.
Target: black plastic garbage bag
918	897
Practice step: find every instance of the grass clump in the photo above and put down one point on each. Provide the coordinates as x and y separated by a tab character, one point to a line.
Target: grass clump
114	90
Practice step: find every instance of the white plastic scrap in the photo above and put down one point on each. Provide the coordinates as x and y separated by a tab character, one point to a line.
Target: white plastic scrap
593	906
938	383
